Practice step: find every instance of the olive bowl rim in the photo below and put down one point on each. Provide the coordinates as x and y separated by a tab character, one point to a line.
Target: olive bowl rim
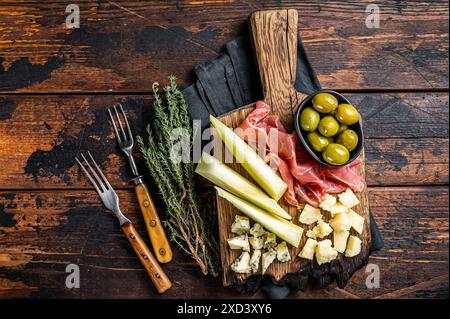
302	135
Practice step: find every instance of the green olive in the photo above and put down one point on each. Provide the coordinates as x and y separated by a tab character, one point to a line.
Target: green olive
342	128
347	114
349	139
328	126
309	119
336	154
324	102
317	141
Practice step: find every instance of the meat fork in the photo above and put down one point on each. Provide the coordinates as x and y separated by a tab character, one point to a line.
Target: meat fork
125	139
111	202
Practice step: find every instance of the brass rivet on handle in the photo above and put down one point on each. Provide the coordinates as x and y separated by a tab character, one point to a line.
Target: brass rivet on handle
162	251
157	276
153	223
146	203
132	236
145	257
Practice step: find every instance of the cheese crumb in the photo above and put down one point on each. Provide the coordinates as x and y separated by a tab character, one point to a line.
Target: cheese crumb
267	259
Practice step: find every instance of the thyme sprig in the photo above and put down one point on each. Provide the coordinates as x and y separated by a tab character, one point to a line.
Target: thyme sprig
189	224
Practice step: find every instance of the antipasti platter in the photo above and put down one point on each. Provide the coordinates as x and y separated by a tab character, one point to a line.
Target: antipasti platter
304	217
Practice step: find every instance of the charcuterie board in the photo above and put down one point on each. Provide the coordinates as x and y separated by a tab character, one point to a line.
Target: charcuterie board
275	35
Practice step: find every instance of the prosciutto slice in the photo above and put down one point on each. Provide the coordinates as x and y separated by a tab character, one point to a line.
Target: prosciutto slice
306	178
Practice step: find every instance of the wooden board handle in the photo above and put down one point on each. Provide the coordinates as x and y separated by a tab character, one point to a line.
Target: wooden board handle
156	273
158	237
274	34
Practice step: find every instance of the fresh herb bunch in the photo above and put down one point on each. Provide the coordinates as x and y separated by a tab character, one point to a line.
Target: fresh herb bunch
189	224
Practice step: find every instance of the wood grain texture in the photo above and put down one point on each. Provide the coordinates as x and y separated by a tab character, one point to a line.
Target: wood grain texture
123	46
47	217
158	238
42	232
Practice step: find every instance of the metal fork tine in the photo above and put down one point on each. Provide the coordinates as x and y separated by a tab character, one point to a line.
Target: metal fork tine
99	181
130	136
120	123
88	175
114	125
100	172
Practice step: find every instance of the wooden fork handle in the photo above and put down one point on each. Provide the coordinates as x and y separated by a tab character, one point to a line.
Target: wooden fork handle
155	229
156	273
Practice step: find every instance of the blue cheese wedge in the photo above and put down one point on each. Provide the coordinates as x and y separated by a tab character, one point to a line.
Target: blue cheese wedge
341	222
257	230
283	252
242	264
348	198
241	225
310	215
239	242
322	229
256	242
338	208
267	258
255	260
356	220
325	252
309	249
271	240
328	202
340	240
353	247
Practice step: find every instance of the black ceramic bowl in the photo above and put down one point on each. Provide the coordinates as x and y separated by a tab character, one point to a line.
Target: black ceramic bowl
302	134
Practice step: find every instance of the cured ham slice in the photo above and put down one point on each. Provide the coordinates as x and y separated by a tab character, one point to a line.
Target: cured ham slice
306	178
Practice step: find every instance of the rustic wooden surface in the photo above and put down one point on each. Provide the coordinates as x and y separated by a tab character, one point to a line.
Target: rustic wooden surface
55	86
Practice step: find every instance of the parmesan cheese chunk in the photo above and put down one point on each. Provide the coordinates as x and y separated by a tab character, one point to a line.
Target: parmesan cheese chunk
340	240
356	221
321	230
308	250
325	252
348	198
338	208
310	215
341	222
353	247
328	202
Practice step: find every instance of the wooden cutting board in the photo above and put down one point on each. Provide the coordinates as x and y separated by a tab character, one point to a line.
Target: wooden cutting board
275	37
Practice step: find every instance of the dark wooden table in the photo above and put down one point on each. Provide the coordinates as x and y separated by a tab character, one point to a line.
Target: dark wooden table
55	85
